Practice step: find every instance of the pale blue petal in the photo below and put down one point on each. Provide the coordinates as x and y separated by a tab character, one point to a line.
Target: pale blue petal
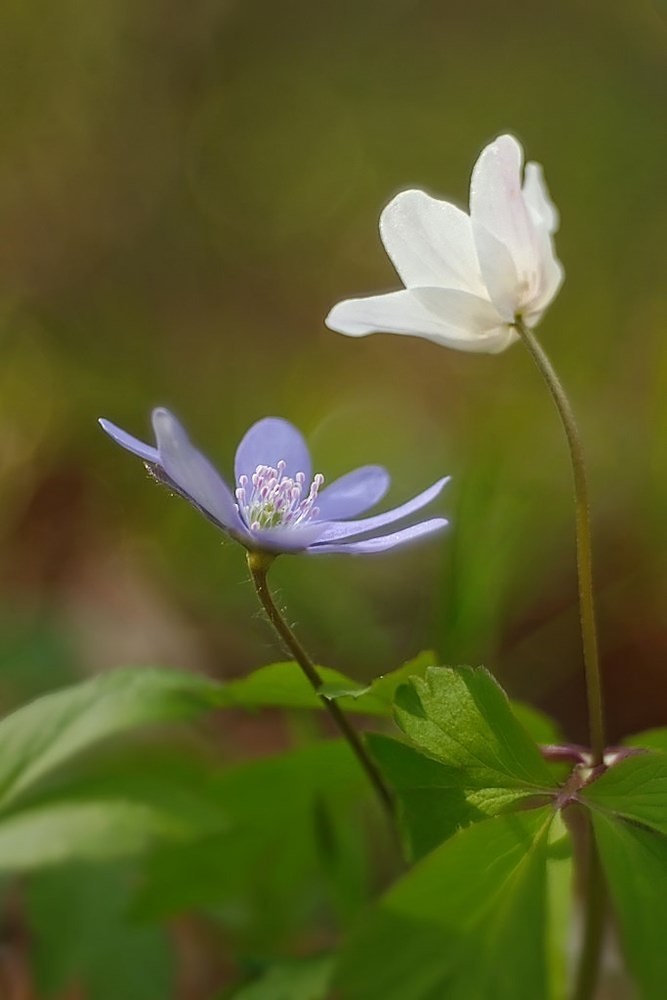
125	440
353	493
270	441
372	545
284	539
350	529
192	473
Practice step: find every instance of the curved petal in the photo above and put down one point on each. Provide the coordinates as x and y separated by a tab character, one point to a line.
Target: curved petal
497	202
469	314
125	440
404	313
192	473
353	493
537	198
499	272
551	272
384	542
238	531
350	529
395	312
284	539
268	442
430	242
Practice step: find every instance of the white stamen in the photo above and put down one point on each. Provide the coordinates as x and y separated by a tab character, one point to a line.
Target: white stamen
276	500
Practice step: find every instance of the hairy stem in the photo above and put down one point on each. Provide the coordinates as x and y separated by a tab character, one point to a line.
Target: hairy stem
258	564
583	535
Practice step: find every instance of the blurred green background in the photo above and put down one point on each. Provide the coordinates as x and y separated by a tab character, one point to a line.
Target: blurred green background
185	190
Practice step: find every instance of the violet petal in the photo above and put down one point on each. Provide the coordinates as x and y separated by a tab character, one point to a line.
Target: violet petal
284	539
268	442
129	442
353	493
384	542
349	529
193	473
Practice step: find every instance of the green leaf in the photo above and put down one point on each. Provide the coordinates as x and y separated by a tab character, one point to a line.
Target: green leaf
635	788
43	735
467	921
436	799
79	926
112	809
283	685
308	979
650	739
560	904
635	864
85	830
462	717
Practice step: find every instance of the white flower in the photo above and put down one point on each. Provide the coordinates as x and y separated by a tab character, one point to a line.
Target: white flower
467	277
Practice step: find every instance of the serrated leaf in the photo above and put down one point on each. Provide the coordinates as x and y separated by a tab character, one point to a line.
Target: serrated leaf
40	737
283	685
634	788
436	799
462	717
635	864
467	921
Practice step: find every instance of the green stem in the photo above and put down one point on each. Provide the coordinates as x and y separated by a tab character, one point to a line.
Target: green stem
258	564
589	960
583	533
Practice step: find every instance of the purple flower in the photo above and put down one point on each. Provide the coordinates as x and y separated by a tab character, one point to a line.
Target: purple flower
278	505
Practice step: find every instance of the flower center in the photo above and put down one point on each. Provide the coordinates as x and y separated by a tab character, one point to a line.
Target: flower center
270	499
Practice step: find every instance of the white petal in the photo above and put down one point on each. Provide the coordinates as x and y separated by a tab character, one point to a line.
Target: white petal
497	203
430	242
470	315
551	273
499	273
536	196
452	318
395	312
